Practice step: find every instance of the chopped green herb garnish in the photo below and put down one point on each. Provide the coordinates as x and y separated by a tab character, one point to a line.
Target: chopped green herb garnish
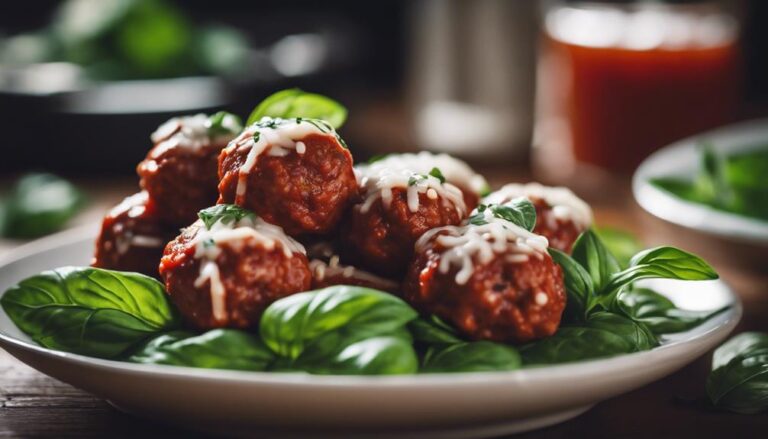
435	172
225	213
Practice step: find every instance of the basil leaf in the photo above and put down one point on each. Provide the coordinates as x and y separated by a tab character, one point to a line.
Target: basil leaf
224	124
578	286
621	244
379	355
479	356
604	334
433	331
226	213
592	255
293	103
39	204
339	312
215	349
658	313
519	211
663	263
435	172
89	311
739	378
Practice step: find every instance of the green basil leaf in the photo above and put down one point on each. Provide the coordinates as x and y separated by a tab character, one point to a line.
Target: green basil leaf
39	204
663	263
592	255
739	378
603	335
433	331
578	286
378	355
224	124
621	244
519	211
90	311
479	356
658	313
296	103
215	349
290	324
438	174
226	213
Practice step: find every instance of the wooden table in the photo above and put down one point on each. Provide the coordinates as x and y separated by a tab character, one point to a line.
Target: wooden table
33	405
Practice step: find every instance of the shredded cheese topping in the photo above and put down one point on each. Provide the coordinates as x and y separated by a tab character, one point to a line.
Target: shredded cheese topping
378	183
456	172
565	204
463	246
208	246
321	270
275	137
189	132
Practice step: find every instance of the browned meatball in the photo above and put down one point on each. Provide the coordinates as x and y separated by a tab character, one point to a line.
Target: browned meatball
382	237
180	172
560	215
295	176
561	232
132	237
226	276
506	298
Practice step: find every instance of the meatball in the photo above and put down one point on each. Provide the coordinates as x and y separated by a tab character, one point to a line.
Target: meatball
295	173
326	274
492	282
455	171
227	275
180	172
560	215
132	237
398	207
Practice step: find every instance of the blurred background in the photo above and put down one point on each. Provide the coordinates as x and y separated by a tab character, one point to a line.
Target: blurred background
561	91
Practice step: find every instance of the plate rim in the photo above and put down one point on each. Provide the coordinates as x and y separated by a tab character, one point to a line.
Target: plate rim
730	319
675	210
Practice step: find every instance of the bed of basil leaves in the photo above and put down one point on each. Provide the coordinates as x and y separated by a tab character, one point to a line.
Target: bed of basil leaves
348	330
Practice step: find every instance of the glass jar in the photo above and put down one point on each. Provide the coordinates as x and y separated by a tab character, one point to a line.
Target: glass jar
617	81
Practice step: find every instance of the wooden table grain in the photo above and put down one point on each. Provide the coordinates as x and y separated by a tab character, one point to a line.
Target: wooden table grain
34	405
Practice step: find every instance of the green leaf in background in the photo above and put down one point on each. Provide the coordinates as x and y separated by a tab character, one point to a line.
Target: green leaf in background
293	103
592	255
479	356
660	263
223	124
578	286
215	349
341	313
621	244
658	313
603	335
90	311
37	205
739	378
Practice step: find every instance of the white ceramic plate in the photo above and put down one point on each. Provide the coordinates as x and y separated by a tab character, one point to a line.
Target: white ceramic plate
275	404
681	159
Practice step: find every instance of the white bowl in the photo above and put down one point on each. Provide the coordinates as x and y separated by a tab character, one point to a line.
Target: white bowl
441	405
681	159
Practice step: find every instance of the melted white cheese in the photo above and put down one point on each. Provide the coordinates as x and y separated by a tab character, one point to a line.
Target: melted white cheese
321	269
208	244
378	183
454	170
463	246
189	132
276	137
565	204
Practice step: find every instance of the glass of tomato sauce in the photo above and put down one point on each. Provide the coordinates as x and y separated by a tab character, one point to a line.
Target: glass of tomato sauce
618	80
